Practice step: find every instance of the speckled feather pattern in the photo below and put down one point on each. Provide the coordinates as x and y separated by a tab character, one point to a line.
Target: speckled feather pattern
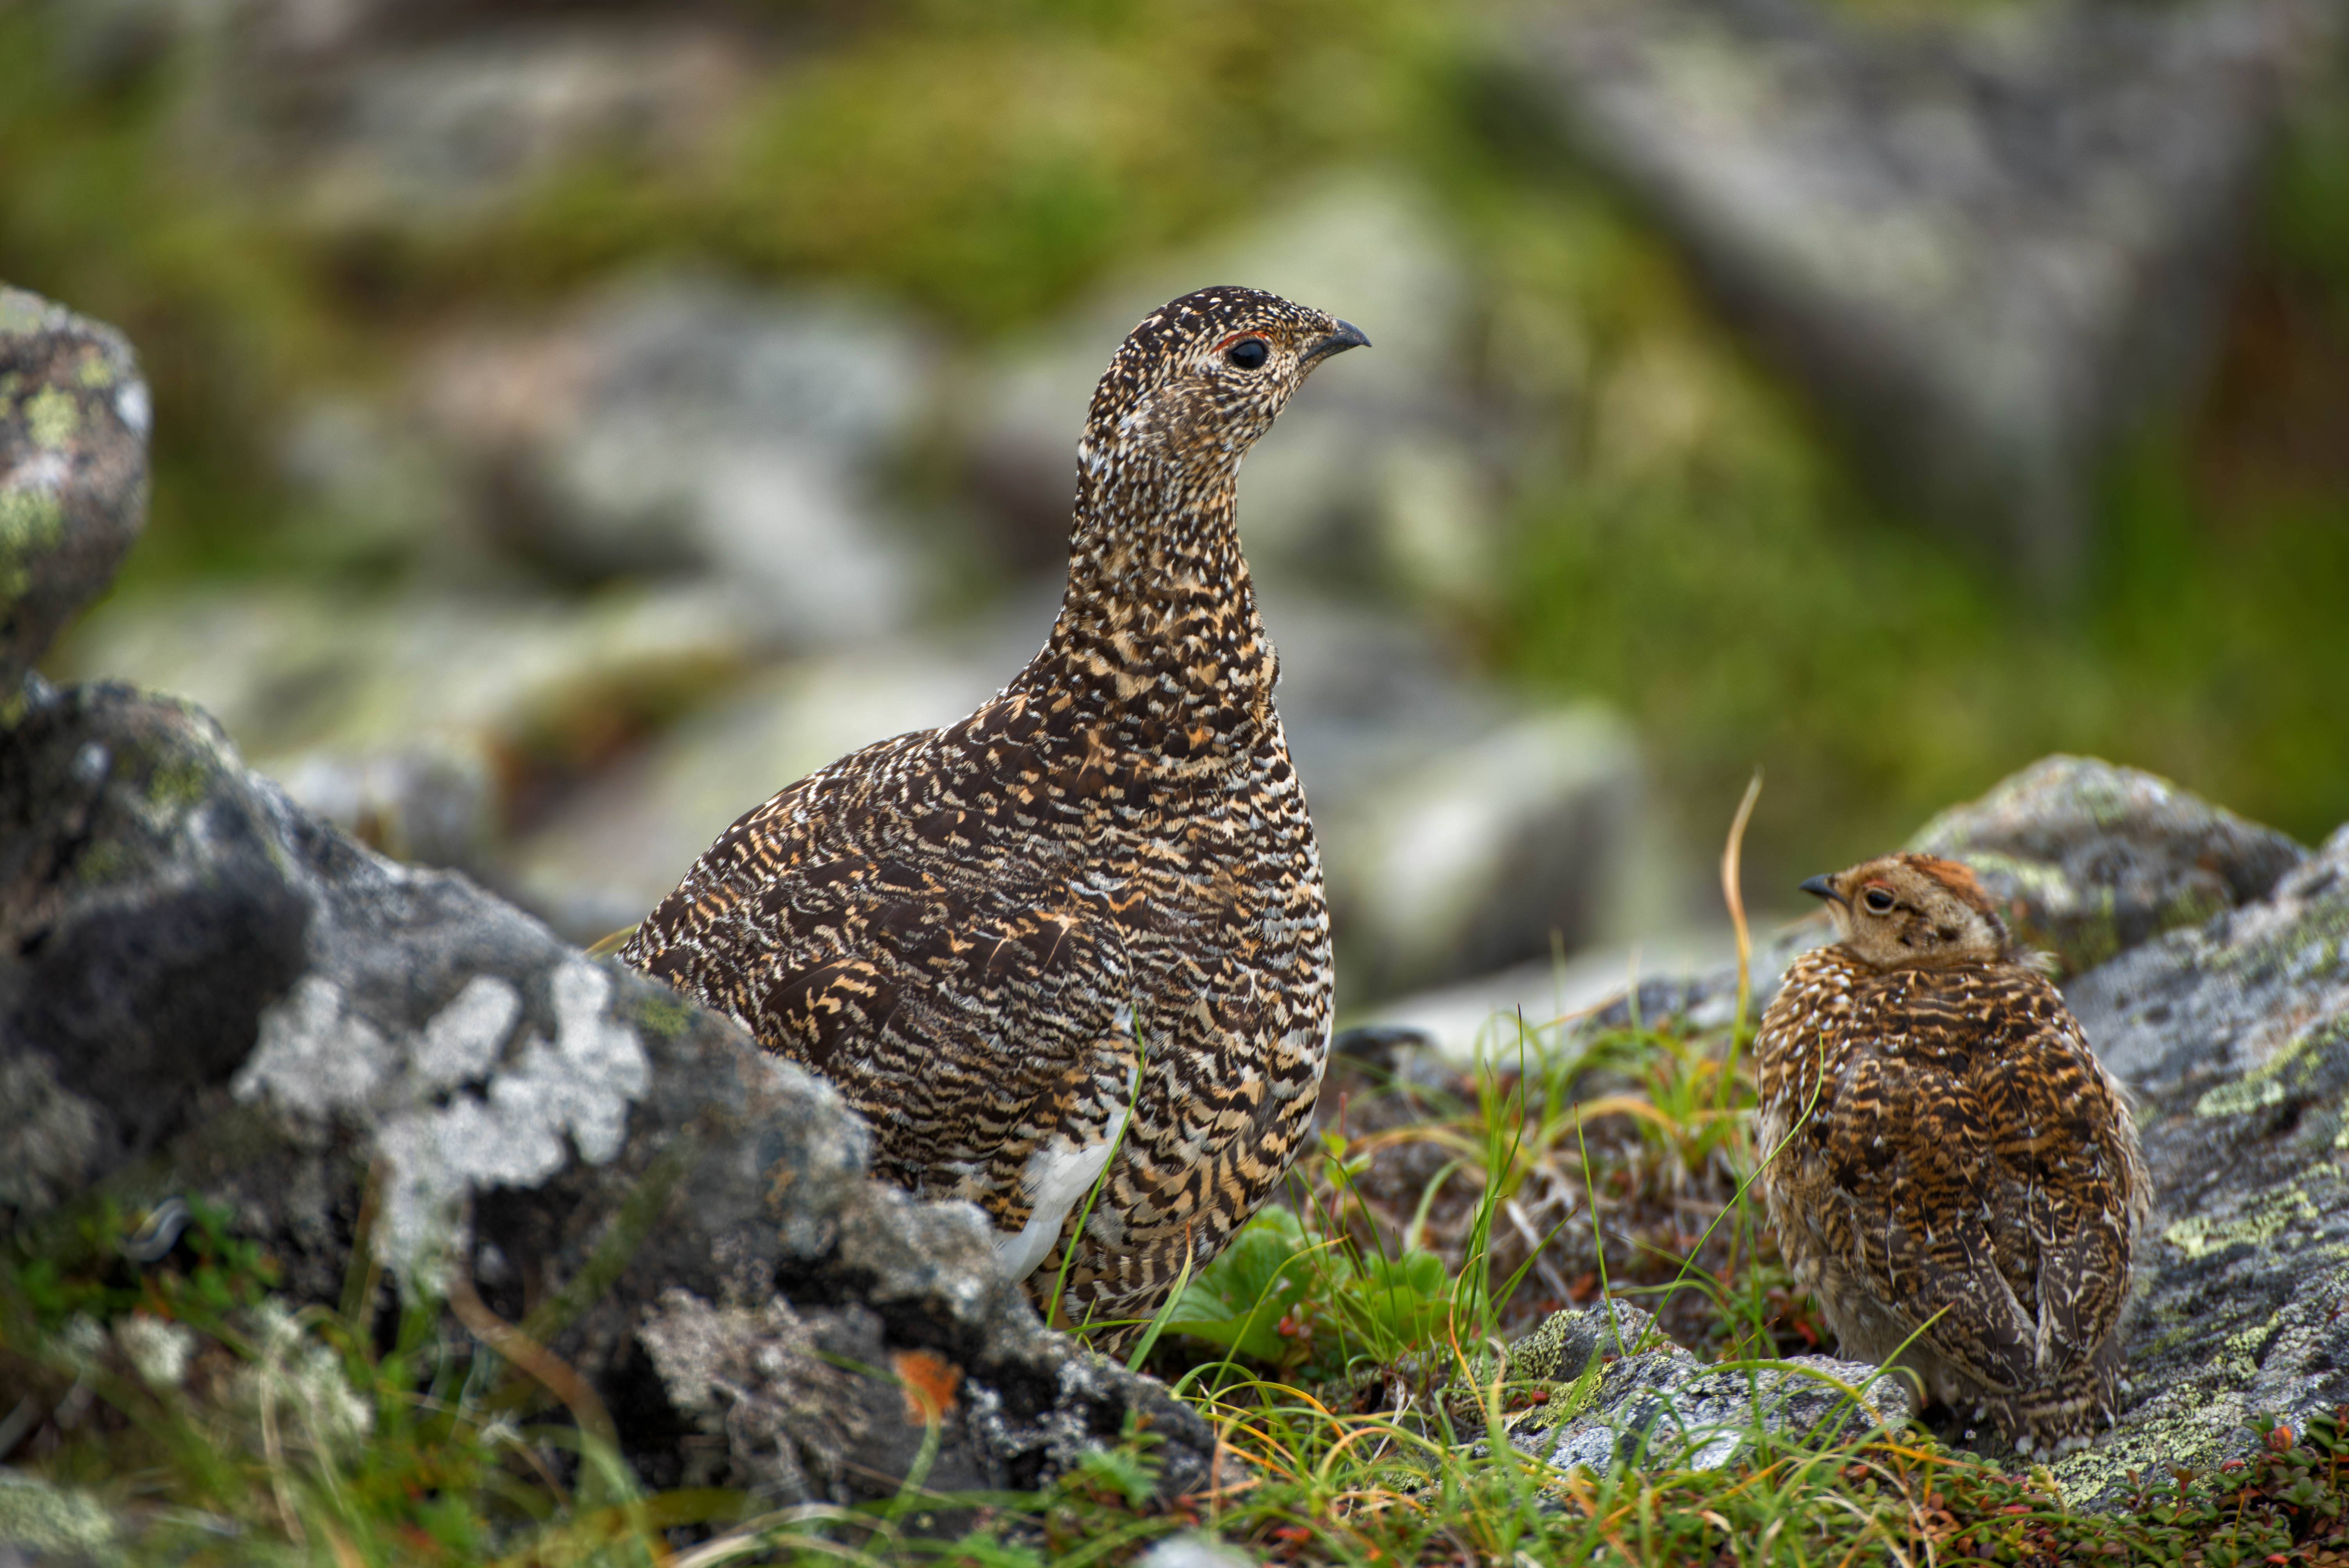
1951	1145
1100	890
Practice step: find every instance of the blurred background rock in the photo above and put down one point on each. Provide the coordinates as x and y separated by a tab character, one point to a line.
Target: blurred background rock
574	420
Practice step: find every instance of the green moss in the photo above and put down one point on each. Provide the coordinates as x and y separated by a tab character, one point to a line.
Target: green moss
52	417
663	1013
102	862
2194	1437
180	781
32	522
2314	947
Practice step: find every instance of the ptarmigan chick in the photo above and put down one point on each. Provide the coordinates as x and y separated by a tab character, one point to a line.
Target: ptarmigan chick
1091	909
1959	1175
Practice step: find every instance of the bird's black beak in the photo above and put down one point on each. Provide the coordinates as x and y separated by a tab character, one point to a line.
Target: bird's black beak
1820	887
1347	336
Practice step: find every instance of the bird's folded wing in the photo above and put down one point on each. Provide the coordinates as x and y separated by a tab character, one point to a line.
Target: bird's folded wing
1910	1153
2070	1180
955	987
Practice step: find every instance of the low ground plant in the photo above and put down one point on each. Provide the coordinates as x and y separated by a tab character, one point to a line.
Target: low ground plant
1328	1346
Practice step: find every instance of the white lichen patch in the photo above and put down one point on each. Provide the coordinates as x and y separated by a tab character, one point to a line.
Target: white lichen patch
134	408
572	1092
461	1040
601	1060
158	1350
292	1395
313	1057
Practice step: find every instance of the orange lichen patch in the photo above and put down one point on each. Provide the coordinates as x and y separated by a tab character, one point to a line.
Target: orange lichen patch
929	1381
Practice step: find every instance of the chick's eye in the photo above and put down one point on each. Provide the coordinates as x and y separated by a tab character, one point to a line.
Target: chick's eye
1878	900
1248	353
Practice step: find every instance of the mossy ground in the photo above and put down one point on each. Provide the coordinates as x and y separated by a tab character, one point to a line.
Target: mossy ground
171	1391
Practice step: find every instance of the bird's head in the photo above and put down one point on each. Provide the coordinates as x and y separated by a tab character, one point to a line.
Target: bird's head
1202	377
1904	911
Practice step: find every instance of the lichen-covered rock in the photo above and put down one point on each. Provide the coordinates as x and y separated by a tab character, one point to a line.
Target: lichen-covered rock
2235	1036
1602	1386
73	469
2093	859
203	991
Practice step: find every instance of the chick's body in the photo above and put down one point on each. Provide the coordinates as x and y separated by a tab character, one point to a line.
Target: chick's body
1094	906
1955	1176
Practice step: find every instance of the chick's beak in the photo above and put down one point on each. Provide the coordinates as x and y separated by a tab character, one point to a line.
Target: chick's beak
1821	887
1347	336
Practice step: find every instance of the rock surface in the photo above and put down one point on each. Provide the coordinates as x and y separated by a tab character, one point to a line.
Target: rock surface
418	721
2093	859
1469	857
1988	244
74	417
1655	1406
204	991
2234	1033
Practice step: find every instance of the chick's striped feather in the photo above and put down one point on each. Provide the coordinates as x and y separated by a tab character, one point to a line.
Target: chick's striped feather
1959	1175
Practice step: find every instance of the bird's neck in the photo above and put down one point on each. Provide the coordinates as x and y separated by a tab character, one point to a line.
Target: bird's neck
1159	621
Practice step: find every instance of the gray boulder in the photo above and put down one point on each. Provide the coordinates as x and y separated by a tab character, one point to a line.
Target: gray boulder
1988	244
679	425
420	722
369	115
2094	859
1654	1406
1454	862
74	417
1459	831
203	990
2235	1036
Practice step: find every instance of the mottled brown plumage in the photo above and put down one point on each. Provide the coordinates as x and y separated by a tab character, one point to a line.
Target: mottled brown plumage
1100	891
1951	1146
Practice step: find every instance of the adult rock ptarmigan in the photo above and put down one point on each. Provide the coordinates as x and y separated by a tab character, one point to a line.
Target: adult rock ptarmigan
1083	930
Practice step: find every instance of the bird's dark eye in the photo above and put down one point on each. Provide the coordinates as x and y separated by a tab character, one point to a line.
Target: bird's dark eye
1248	353
1878	900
